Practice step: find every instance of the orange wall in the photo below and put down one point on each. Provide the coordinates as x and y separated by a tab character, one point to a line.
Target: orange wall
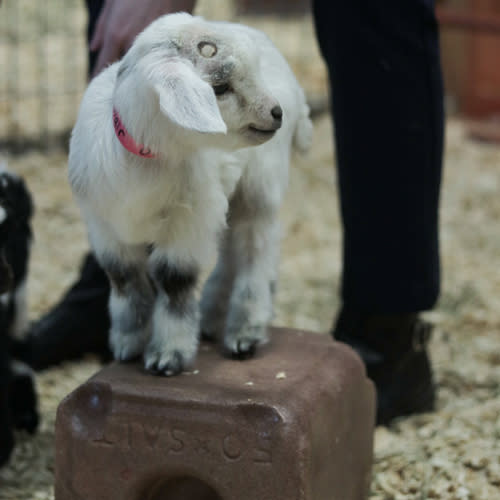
471	62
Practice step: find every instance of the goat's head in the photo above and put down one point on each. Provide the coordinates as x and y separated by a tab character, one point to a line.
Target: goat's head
204	77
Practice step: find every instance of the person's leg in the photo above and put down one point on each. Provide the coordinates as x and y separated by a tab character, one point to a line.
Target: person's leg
94	8
387	104
79	323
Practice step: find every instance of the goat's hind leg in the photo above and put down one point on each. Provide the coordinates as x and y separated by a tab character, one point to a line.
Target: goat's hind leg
255	245
216	292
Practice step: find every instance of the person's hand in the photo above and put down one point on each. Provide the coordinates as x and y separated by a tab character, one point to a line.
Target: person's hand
121	20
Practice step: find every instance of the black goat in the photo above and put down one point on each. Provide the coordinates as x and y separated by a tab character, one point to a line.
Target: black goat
17	392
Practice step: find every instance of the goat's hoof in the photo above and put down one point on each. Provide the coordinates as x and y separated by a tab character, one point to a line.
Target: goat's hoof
124	354
27	421
243	348
246	349
168	364
126	347
242	343
6	444
23	403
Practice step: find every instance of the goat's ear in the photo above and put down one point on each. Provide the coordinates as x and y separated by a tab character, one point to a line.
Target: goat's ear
187	100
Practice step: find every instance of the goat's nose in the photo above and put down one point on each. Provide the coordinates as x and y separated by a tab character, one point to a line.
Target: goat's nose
277	112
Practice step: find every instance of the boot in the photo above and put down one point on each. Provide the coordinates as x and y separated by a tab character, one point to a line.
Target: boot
393	348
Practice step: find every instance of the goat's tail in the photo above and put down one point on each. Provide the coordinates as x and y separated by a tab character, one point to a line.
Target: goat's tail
302	137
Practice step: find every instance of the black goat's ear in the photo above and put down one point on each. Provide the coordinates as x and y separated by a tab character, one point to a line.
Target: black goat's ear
15	196
20	199
6	276
5	222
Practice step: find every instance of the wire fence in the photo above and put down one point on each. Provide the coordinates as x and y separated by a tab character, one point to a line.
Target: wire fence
43	68
43	61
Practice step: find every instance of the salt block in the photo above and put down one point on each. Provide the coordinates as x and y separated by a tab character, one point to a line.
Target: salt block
294	423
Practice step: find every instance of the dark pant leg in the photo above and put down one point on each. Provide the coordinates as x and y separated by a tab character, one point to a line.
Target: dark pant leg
94	8
92	273
387	103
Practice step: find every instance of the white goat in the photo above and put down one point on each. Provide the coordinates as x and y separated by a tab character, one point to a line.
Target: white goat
180	150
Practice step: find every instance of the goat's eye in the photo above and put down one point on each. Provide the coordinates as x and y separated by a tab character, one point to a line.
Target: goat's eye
221	89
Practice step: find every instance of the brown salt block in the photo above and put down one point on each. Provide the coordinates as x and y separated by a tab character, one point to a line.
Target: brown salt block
294	423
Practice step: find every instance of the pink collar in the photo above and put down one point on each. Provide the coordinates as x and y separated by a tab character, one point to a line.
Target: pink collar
127	140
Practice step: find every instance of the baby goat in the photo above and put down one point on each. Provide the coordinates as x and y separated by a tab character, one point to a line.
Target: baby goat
180	150
17	394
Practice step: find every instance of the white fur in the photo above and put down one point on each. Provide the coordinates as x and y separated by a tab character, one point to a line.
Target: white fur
216	180
19	327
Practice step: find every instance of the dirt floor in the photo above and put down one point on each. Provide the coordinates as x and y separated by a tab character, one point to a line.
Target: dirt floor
453	453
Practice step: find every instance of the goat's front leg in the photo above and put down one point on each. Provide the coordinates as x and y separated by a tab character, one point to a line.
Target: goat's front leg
6	433
174	340
130	305
22	397
255	246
